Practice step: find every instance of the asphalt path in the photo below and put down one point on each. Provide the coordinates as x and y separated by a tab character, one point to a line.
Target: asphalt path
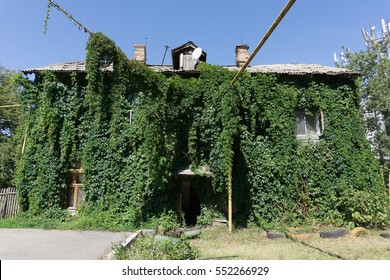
38	244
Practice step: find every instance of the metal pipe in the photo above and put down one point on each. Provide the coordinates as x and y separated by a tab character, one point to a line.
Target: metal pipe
265	38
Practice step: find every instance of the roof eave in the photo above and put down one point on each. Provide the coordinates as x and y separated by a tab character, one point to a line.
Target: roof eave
277	69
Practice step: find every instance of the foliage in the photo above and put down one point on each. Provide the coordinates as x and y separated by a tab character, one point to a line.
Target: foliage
51	4
92	219
365	209
86	219
374	66
53	219
168	222
207	216
9	119
149	248
247	131
9	95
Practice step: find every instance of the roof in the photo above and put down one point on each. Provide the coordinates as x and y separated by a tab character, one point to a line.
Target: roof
76	66
297	69
188	45
289	69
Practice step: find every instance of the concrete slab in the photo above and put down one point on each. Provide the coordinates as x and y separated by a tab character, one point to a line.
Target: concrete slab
37	244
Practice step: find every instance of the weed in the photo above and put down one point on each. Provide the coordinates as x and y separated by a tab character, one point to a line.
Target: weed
169	222
150	248
207	215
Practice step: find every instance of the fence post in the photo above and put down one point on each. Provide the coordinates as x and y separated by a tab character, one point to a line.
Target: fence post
4	203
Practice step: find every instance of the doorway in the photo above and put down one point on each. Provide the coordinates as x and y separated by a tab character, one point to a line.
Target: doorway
189	203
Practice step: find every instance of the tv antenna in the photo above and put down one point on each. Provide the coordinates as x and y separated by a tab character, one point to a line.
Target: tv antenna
166	46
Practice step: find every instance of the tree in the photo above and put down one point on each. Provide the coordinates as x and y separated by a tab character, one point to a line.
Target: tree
9	118
374	66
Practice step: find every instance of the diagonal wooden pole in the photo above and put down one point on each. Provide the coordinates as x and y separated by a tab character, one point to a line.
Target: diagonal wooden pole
230	202
265	38
9	106
258	47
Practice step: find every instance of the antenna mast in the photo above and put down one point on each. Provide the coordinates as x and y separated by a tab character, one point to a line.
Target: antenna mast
165	53
381	37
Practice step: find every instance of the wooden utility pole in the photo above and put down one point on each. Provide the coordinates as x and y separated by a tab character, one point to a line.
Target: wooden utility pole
265	38
258	47
230	201
9	106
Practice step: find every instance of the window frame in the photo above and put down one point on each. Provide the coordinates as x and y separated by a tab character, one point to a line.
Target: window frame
317	119
75	194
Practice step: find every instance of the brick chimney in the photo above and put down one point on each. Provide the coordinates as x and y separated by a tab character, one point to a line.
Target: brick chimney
241	55
140	52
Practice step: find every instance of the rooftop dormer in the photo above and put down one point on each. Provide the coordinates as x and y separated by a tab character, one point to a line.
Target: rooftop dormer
183	59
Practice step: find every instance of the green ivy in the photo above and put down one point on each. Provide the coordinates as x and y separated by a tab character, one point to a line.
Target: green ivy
247	130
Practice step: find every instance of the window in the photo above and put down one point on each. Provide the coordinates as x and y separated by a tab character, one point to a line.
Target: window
309	124
75	188
133	100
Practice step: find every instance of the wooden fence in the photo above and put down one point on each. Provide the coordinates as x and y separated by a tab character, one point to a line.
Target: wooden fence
8	202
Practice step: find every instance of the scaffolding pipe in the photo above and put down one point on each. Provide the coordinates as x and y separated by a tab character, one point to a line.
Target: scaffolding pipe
265	38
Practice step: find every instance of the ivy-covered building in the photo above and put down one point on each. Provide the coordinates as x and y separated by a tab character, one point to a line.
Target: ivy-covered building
119	135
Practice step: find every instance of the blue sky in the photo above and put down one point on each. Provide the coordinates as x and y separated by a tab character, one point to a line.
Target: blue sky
311	32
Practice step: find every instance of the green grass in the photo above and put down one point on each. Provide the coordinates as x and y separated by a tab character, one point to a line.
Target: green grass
24	222
215	242
106	221
85	219
252	244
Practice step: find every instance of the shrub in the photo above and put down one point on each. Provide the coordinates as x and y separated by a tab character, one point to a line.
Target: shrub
149	248
365	209
169	222
207	215
91	219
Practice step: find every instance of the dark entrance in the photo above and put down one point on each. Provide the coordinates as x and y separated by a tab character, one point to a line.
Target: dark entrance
189	204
